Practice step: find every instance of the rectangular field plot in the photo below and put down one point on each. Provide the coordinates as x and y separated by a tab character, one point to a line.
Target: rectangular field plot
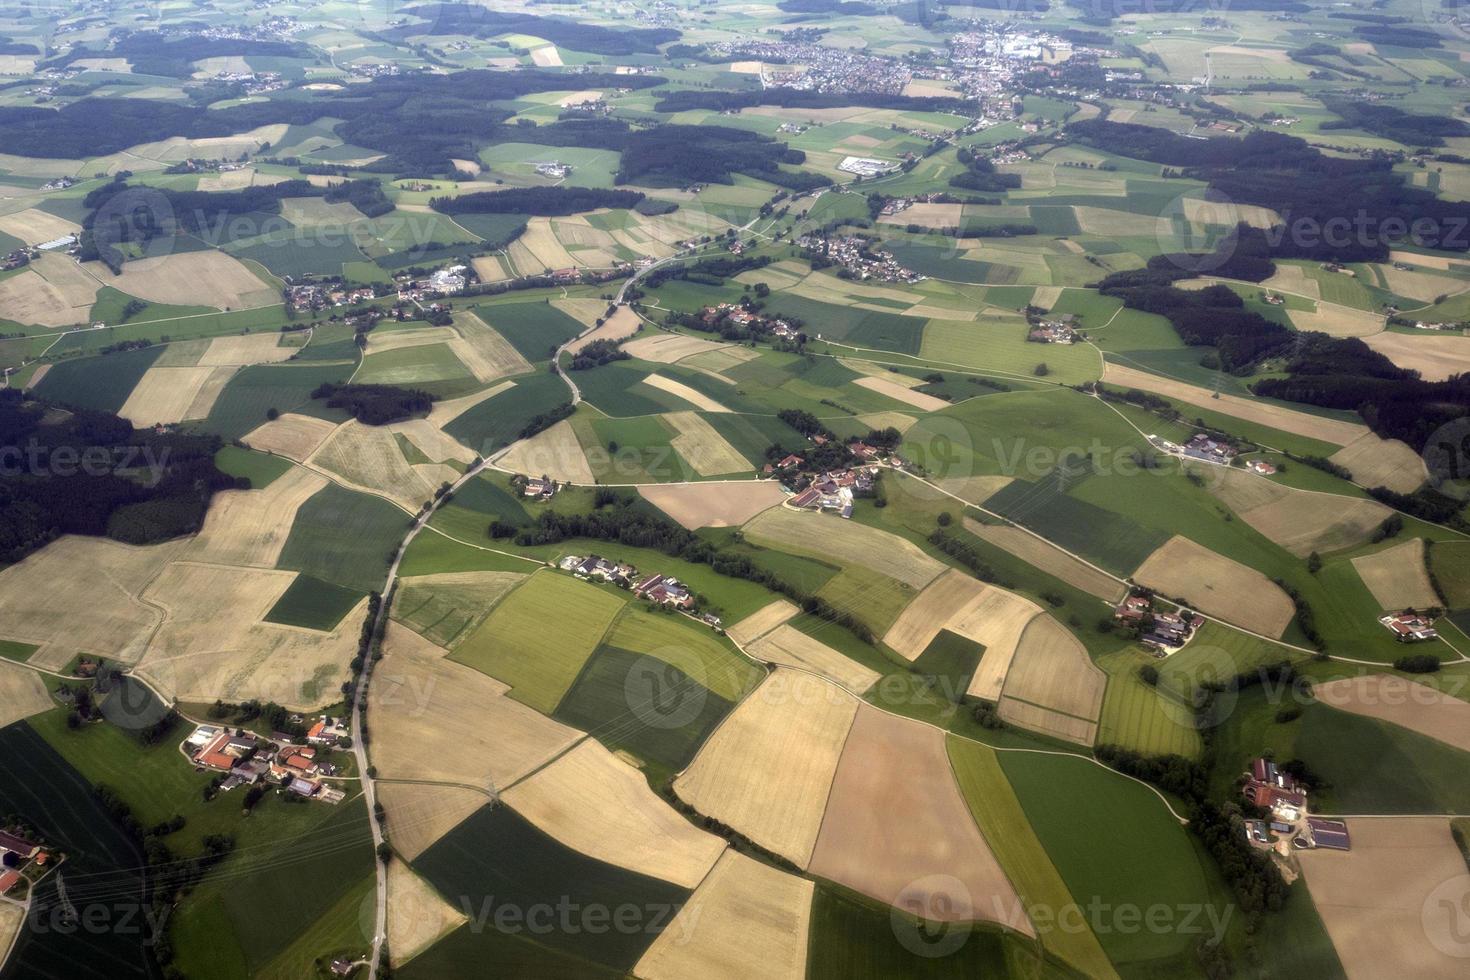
447	608
313	604
1001	347
344	537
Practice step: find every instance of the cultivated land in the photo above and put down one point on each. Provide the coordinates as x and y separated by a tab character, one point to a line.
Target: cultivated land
768	769
367	457
697	505
250	527
898	392
898	830
790	647
703	448
166	395
762	621
447	608
744	919
1052	671
667	348
1301	521
845	543
417	916
293	436
1402	702
622	324
1217	586
922	619
418	815
1377	900
1036	552
596	803
1398	576
207	278
1435	358
680	390
22	694
555	452
1376	462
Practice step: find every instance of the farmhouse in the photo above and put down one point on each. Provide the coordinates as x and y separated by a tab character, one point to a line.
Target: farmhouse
539	488
599	568
554	170
664	590
1051	332
16	850
1269	787
1262	467
1331	834
327	730
1410	626
1161	632
866	166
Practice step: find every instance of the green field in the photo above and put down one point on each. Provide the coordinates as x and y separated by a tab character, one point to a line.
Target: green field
15	650
102	383
465	952
446	612
344	537
1110	540
412	366
534	329
1450	563
313	604
1140	717
1000	347
692	648
516	645
261	469
498	421
998	812
949	661
243	405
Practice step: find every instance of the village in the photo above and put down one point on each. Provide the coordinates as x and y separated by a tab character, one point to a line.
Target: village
860	258
244	758
656	588
1163	633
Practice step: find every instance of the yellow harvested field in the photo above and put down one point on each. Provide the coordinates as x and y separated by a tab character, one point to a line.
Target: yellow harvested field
22	694
34	227
898	392
595	803
888	420
925	87
1444	263
973	489
538	249
229	180
1105	221
1378	462
253	348
1038	719
172	394
666	348
767	770
1210	212
1293	279
996	620
484	351
546	57
703	448
447	411
1217	586
369	458
1285	419
294	436
417	916
789	647
419	814
898	830
930	611
622	324
584	310
554	452
1425	286
697	505
213	643
12	917
80	595
576	230
1402	702
1435	356
746	919
1384	900
746	67
250	527
927	215
205	278
1046	296
702	402
381	341
1301	521
29	298
761	622
1337	321
1398	576
874	370
1051	669
845	543
490	268
432	442
1038	553
438	720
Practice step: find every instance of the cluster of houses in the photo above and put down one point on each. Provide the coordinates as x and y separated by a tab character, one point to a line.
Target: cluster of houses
1410	626
17	855
15	260
867	166
897	205
1201	447
1053	331
834	490
1163	633
247	759
317	296
712	316
657	588
554	170
1438	325
858	256
1268	787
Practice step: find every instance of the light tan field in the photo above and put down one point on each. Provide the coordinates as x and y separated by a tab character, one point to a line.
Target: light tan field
438	720
1337	321
229	180
420	814
380	341
1293	279
171	394
1300	521
1397	576
13	918
1048	722
1402	702
447	607
845	543
246	349
761	622
666	348
80	595
213	644
33	226
702	402
432	442
1051	669
447	411
1217	586
1053	561
767	770
1205	211
789	647
29	298
1378	901
1441	262
250	527
553	452
887	420
484	351
1425	286
622	324
921	87
703	448
1378	462
697	505
898	830
417	916
1285	419
546	57
538	249
576	230
872	370
368	457
585	310
489	268
746	919
1046	296
898	392
929	612
996	620
927	215
597	804
973	489
294	436
22	694
1435	357
207	278
1105	221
